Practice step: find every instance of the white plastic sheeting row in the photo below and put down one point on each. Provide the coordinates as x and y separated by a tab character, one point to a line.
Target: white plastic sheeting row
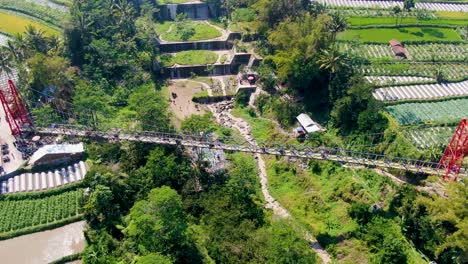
39	181
427	91
382	80
390	4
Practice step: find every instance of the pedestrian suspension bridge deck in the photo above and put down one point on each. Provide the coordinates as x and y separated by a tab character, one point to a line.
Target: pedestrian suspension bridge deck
294	151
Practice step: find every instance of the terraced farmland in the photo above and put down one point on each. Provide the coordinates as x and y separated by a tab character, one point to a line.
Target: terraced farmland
451	111
391	4
413	20
20	214
416	34
394	80
423	52
452	71
424	138
421	92
15	24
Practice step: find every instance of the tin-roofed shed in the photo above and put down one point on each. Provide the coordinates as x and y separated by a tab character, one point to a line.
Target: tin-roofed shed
309	125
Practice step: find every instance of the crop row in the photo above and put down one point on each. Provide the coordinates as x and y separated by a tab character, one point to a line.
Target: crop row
450	111
363	12
16	215
397	80
391	4
423	52
424	91
424	138
452	71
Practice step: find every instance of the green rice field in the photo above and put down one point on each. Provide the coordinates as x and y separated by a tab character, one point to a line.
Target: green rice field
383	35
451	111
363	21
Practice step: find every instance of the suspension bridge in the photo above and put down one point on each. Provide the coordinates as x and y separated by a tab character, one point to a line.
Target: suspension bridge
294	151
450	166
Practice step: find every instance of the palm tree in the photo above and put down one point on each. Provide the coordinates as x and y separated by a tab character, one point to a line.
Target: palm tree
331	60
6	65
124	13
18	48
36	39
338	24
54	44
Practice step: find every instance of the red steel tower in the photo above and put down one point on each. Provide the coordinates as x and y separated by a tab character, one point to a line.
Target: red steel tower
456	151
15	112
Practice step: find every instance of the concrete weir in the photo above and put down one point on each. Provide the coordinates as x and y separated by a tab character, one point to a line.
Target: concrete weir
193	10
223	44
186	71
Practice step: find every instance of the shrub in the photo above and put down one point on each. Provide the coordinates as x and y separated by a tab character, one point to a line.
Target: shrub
243	15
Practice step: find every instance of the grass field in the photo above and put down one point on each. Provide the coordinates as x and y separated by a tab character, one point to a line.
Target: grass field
14	24
20	214
383	35
451	111
456	15
190	57
361	21
202	31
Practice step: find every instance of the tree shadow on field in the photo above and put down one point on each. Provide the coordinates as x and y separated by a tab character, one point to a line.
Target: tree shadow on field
326	239
433	32
418	34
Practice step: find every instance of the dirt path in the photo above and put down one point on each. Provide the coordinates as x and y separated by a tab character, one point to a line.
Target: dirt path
221	112
221	81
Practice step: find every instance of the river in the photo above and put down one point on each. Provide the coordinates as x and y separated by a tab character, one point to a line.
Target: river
44	247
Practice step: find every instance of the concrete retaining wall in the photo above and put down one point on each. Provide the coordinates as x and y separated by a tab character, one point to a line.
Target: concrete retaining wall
182	72
194	11
227	44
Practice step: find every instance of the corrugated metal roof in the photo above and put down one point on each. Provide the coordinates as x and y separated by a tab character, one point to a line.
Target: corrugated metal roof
308	124
56	149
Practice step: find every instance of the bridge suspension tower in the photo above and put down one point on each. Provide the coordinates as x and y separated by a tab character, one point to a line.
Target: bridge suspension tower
456	151
16	114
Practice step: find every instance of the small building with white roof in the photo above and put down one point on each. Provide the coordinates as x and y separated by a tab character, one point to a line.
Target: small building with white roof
309	125
58	153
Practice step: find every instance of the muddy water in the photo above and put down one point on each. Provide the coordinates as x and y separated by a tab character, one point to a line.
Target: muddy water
43	247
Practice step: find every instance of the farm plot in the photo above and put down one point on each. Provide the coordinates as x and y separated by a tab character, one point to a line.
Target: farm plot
38	11
394	80
439	52
391	4
383	35
422	52
451	111
369	51
19	214
418	92
390	20
452	71
16	24
424	138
